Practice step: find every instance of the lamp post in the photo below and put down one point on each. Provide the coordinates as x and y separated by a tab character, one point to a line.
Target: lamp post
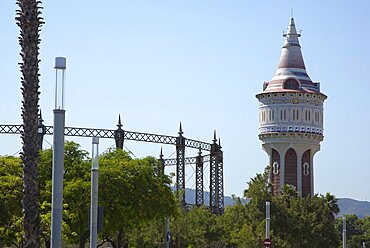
58	154
94	193
267	220
344	235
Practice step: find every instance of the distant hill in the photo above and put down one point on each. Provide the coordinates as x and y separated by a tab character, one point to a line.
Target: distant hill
350	206
346	205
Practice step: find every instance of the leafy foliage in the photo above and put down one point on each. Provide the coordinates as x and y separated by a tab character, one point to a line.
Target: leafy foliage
11	232
358	230
132	192
137	197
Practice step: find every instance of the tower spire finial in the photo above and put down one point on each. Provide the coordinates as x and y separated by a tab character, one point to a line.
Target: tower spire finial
291	35
119	125
180	129
40	116
292	13
214	136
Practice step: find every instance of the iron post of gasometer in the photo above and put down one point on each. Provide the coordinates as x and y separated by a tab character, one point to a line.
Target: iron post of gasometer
344	234
94	193
267	220
58	154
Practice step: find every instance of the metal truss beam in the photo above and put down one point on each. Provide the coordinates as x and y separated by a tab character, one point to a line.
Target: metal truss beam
109	133
215	157
11	129
188	160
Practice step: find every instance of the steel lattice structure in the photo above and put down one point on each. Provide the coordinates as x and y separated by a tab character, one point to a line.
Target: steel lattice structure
180	164
199	198
215	158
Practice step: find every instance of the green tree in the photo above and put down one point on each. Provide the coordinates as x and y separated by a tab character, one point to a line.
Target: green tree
358	230
29	20
307	222
148	234
295	221
76	194
237	229
10	201
196	227
132	191
258	192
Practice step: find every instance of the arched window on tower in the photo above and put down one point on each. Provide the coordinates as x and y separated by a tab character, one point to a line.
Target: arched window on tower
275	168
290	174
306	169
291	84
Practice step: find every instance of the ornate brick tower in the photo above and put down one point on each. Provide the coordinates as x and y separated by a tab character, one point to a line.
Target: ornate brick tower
291	119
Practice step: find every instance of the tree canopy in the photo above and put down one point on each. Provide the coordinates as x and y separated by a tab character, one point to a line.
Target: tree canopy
137	197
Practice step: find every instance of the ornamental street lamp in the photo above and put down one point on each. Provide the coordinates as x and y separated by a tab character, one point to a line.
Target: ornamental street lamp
94	193
58	154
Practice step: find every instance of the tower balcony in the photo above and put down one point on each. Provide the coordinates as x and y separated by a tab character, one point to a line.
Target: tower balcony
289	128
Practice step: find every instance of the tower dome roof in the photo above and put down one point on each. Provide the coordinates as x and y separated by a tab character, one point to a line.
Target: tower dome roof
291	72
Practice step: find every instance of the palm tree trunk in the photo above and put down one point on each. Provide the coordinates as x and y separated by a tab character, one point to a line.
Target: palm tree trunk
29	20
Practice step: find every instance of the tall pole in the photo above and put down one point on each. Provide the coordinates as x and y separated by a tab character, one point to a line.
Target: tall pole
167	234
344	232
58	154
94	193
267	220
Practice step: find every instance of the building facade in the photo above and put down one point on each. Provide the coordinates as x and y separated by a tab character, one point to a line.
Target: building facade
291	119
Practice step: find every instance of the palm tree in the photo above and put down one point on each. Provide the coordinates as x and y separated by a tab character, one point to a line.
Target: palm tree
29	20
332	205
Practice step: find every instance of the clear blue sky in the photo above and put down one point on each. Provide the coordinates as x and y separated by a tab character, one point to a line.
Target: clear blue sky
200	62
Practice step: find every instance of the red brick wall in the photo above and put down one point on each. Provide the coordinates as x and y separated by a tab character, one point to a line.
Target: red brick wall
290	176
275	177
306	178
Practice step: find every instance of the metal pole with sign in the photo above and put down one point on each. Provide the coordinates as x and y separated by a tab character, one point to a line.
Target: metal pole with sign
267	241
267	220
